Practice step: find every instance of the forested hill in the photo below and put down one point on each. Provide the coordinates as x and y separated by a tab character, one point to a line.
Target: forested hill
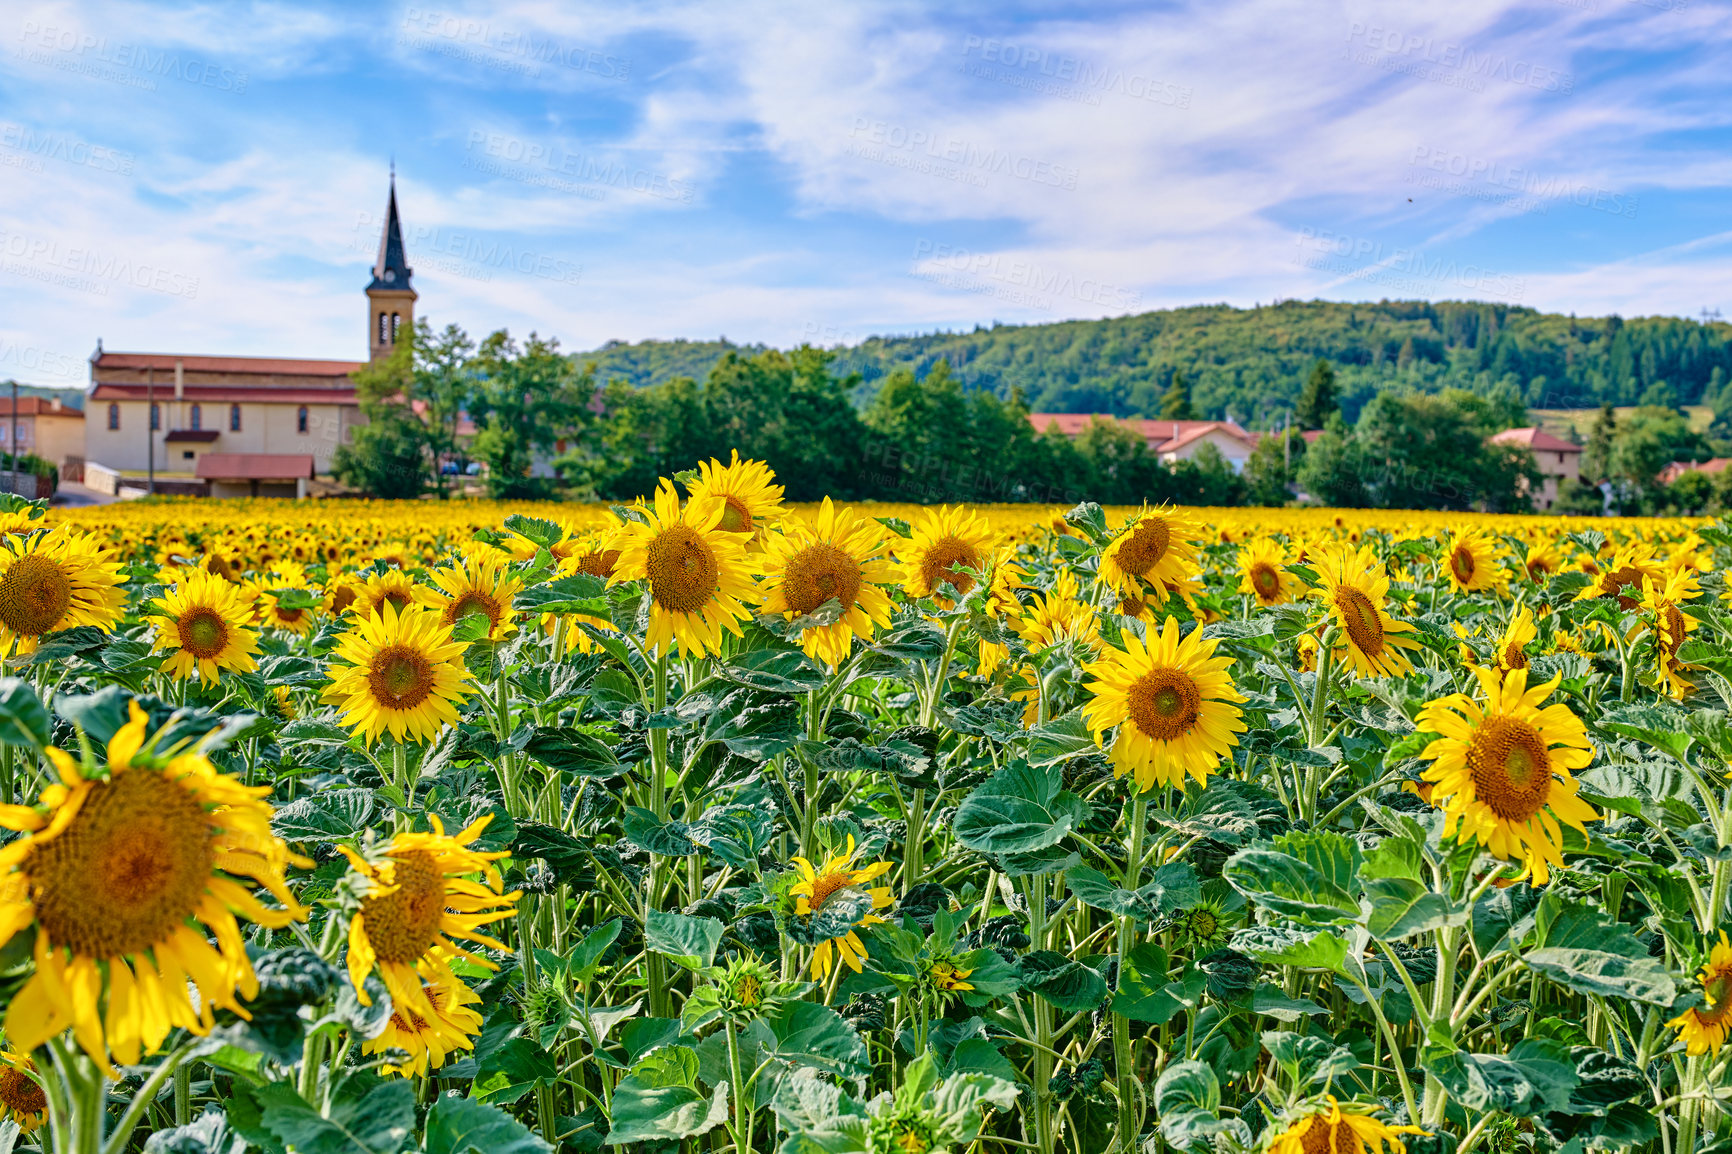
1251	362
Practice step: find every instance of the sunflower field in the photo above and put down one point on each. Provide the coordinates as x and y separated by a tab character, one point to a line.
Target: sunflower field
716	824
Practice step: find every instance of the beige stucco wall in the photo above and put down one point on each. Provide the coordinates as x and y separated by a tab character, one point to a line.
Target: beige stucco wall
1232	448
50	437
265	428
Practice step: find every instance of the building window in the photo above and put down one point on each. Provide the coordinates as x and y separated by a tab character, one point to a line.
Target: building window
188	455
1560	458
301	419
155	416
384	329
197	417
114	416
396	326
234	418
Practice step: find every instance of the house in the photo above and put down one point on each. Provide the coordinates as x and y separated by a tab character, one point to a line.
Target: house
45	428
1558	460
1678	468
1172	441
221	425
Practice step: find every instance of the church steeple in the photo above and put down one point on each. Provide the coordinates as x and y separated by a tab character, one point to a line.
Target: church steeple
390	297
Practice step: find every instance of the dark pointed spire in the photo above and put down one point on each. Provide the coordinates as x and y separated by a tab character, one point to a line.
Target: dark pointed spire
391	270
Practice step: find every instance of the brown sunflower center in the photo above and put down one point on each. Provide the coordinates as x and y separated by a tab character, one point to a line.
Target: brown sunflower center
1676	630
1145	547
1133	606
403	924
826	886
1617	581
1265	580
1360	616
20	1093
817	573
342	598
34	595
1510	767
945	561
683	573
400	677
1462	564
1164	704
289	616
203	632
736	518
1325	1137
599	563
1717	987
127	871
474	602
1513	657
1538	567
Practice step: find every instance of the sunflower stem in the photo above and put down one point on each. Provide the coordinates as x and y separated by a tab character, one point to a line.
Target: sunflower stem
1130	1121
183	1095
654	970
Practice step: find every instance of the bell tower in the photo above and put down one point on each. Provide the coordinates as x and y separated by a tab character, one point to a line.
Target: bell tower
390	299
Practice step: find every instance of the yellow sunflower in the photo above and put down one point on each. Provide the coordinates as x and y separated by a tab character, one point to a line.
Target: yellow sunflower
288	575
480	584
1501	769
949	977
588	551
430	1039
1621	578
1543	561
52	581
839	556
943	546
1001	604
392	587
400	672
1517	636
1702	1029
1152	556
1261	574
203	626
838	876
697	572
747	490
1172	701
1354	586
418	899
116	870
1058	615
21	1096
1329	1129
1472	563
1671	626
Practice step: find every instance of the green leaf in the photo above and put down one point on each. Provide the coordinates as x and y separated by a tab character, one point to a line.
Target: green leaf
753	726
660	1114
1143	994
1586	951
361	1120
1535	1077
1187	1085
1019	809
809	1034
774	670
1175	888
547	534
687	940
1071	986
1394	877
336	815
23	719
513	1070
1314	884
466	1126
1272	1001
667	838
1060	739
572	751
1660	726
667	1066
1292	946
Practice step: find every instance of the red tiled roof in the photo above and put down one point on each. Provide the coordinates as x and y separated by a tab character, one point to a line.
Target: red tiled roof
1678	468
1161	435
1537	439
254	466
34	406
1197	434
198	364
195	436
257	394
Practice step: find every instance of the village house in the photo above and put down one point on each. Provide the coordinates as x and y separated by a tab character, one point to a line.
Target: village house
1171	441
212	425
1558	461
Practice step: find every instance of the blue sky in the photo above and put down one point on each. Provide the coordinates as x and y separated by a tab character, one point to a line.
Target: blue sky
210	177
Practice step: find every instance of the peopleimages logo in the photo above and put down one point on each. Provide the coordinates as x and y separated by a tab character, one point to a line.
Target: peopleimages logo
1367	260
965	155
1084	75
1020	274
1459	58
1523	180
89	48
24	252
59	146
526	46
561	162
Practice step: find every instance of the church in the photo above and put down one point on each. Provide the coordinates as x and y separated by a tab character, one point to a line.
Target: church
200	425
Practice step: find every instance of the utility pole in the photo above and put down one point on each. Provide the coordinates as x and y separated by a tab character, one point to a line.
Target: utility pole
150	429
15	437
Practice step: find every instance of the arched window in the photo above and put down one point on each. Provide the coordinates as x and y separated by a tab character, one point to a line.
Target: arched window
301	419
197	417
384	329
155	416
396	326
114	416
234	418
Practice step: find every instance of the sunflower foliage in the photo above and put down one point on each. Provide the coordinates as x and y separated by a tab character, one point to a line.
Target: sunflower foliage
714	822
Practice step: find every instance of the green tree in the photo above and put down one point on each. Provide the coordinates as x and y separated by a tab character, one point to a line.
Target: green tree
1176	402
440	389
1427	452
1597	456
388	456
1318	398
1651	438
526	400
1333	471
1273	466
